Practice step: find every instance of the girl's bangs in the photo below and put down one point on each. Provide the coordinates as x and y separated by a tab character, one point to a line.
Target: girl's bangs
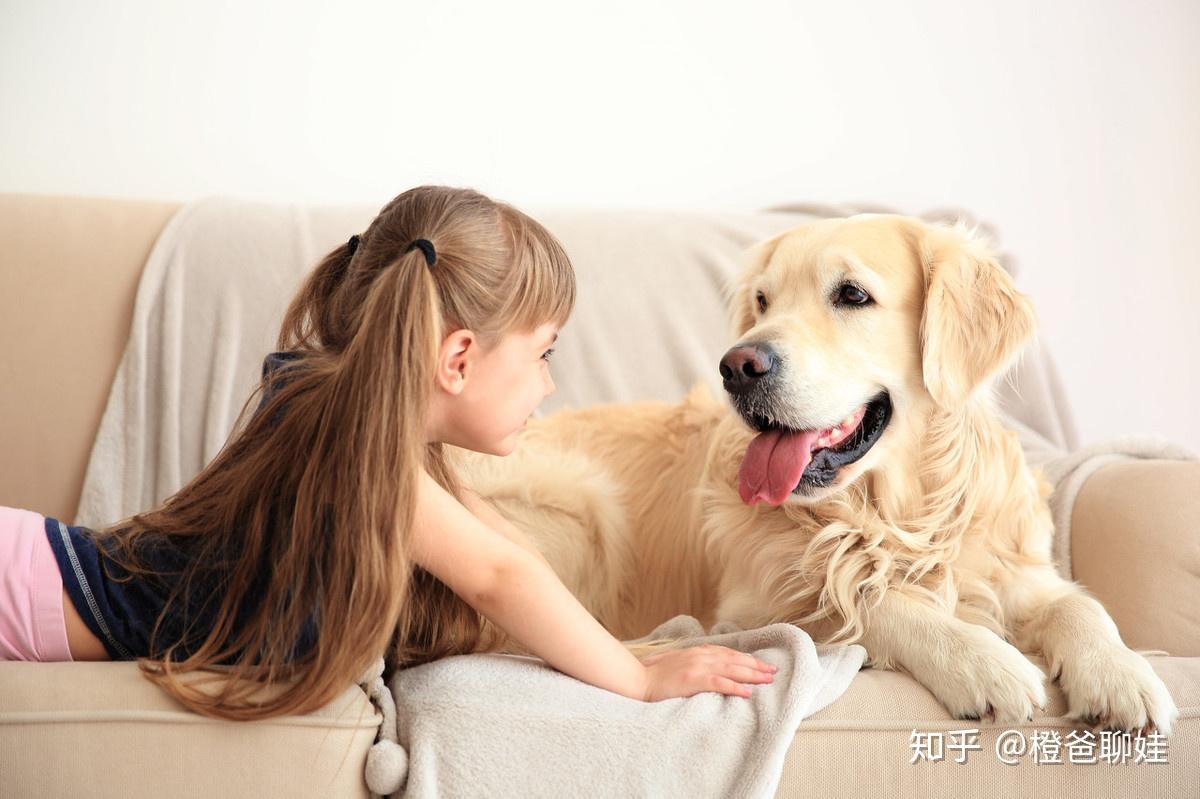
545	280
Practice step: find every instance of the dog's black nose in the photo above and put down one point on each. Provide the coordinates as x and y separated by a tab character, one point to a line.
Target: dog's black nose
745	365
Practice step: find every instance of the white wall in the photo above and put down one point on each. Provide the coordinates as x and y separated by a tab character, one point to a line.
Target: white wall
1071	126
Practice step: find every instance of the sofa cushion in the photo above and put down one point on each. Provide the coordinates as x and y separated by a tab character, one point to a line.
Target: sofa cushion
104	726
862	745
126	738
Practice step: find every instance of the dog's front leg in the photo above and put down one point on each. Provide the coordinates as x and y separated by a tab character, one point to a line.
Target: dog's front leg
1105	682
970	669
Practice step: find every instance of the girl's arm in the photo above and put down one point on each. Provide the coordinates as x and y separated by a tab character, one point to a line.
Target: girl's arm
484	511
519	592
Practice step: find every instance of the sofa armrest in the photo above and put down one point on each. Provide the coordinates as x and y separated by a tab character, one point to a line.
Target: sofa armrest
69	271
1135	531
102	729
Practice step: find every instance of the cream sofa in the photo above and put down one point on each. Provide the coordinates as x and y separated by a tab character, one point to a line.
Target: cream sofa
67	287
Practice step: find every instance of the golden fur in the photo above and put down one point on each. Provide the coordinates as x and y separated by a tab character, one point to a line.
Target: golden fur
932	550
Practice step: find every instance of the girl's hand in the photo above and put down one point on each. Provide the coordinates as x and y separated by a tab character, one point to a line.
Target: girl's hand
518	592
684	672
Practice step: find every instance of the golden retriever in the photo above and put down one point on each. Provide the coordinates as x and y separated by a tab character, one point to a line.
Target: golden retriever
857	482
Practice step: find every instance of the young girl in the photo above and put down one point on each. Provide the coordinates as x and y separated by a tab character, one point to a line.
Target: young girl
331	527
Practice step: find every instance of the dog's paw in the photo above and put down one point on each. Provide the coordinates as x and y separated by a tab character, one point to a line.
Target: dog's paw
979	674
1115	688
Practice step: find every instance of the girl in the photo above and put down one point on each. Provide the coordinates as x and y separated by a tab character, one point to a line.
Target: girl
331	527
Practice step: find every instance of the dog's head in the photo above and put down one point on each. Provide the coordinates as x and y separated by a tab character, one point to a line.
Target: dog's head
849	332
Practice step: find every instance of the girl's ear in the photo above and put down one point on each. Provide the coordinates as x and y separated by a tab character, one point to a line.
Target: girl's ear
974	323
456	361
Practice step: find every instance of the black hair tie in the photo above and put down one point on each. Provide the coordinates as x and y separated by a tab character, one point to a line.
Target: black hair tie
425	246
353	244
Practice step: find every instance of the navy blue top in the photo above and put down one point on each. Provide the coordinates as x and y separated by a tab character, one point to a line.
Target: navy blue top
121	611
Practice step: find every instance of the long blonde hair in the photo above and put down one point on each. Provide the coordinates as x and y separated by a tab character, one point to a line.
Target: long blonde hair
310	502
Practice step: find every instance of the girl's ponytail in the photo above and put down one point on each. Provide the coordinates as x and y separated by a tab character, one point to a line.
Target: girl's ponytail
309	310
362	472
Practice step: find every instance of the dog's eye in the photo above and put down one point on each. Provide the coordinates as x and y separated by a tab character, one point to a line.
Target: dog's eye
850	294
762	302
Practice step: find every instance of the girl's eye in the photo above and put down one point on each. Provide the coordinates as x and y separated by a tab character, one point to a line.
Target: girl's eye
546	355
850	294
762	302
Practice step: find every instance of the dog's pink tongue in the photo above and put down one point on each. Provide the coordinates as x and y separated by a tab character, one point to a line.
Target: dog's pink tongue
773	464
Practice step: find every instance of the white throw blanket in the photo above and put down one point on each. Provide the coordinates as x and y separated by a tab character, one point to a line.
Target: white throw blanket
505	725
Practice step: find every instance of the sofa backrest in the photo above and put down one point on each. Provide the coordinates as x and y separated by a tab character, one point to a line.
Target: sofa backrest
650	321
69	268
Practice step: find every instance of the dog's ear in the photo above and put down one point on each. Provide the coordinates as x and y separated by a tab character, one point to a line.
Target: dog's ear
743	301
974	323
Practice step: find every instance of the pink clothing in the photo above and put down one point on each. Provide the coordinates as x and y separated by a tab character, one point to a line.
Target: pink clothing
32	624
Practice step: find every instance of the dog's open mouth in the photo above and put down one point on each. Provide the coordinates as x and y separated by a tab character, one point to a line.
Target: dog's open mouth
781	461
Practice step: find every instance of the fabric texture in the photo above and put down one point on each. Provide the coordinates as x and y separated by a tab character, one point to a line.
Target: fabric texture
119	614
69	269
102	730
1070	472
32	621
505	725
1136	550
865	745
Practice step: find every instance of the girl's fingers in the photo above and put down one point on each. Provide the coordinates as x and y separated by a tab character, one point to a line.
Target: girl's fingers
760	665
742	673
714	655
746	659
729	687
